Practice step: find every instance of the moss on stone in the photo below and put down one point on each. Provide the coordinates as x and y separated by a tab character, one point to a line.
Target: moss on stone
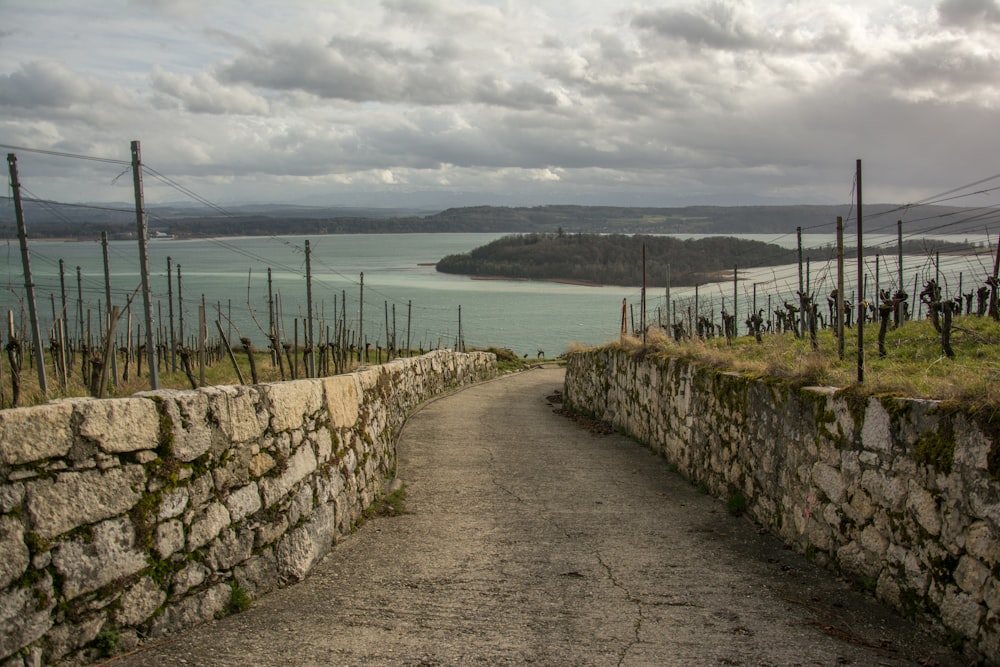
937	448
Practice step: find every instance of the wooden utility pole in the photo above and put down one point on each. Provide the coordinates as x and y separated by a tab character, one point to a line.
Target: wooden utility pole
142	234
642	309
29	285
311	366
361	320
862	306
107	297
840	288
801	324
170	315
994	306
901	306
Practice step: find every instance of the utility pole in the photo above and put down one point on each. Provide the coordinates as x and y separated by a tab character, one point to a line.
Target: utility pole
801	324
862	307
107	298
840	288
142	233
642	310
899	279
361	321
311	366
170	315
29	286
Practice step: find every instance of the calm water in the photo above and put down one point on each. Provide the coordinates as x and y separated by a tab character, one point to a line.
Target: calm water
524	316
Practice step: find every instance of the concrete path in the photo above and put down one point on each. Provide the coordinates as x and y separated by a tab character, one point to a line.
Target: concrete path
531	539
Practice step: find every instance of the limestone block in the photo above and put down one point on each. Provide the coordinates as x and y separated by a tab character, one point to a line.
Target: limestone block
235	471
36	433
324	445
960	612
77	498
291	402
875	433
119	424
300	549
972	447
923	507
109	555
11	496
169	537
139	602
205	527
191	576
343	395
269	532
971	575
235	409
259	574
190	428
243	502
196	609
874	542
230	549
14	554
982	543
20	616
302	463
301	505
260	464
69	636
829	480
173	503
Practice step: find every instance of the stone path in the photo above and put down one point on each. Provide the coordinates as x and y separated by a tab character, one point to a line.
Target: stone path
530	539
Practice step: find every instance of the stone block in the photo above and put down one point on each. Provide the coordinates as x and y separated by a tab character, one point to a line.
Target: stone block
119	424
190	430
302	463
109	555
169	537
190	576
259	574
14	556
139	602
876	434
230	549
197	609
829	481
343	397
982	543
235	409
205	527
971	576
960	612
11	496
77	498
291	402
301	548
69	636
924	508
25	614
36	433
243	502
173	503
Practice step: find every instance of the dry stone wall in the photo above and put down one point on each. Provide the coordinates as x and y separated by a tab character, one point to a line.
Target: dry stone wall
133	517
901	495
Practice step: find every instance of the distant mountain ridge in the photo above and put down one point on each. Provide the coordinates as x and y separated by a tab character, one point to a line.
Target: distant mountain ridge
85	221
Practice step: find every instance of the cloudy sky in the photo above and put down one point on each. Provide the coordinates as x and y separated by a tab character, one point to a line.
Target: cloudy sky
433	103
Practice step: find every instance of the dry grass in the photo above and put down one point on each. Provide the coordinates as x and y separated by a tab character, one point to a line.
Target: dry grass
914	365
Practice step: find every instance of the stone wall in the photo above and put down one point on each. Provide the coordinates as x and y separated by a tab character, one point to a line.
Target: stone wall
133	517
901	495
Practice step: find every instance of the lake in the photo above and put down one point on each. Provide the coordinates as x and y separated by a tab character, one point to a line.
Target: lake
399	275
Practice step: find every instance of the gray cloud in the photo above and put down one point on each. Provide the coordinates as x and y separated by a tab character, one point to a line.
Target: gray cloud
969	13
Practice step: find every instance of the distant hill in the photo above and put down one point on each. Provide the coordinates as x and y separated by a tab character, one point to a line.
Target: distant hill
88	221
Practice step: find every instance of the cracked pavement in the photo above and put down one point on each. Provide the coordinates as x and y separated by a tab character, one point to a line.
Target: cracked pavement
530	539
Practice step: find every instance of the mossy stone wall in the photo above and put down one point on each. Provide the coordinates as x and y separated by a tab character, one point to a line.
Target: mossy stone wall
901	495
134	517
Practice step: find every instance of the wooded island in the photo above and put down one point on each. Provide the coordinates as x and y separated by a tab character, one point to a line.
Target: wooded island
614	259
